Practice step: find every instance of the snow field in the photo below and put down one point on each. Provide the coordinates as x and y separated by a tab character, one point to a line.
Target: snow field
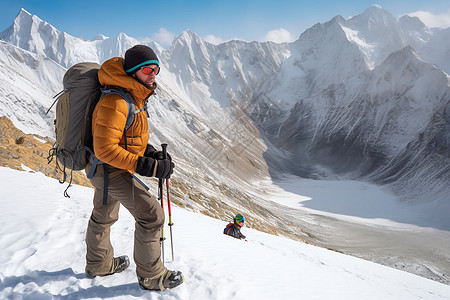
42	237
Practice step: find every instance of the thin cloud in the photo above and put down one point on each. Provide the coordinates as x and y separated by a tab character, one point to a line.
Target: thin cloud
163	37
215	40
278	36
432	20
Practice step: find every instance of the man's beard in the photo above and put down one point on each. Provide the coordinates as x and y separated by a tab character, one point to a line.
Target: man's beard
151	87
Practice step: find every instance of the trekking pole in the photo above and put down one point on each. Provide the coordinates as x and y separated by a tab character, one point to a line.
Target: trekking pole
170	217
164	147
161	198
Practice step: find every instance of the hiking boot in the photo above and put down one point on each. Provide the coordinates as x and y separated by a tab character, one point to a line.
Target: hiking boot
168	280
120	264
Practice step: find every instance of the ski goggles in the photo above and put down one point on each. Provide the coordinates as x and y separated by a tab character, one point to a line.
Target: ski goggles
147	70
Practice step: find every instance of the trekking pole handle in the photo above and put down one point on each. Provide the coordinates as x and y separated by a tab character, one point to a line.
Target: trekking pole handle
164	150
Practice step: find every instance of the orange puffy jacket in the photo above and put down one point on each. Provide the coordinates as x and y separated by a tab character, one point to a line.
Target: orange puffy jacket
110	115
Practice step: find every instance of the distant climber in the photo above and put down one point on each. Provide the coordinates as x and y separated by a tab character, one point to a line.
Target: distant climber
234	229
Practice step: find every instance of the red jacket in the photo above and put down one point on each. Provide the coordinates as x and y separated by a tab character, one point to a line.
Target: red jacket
234	231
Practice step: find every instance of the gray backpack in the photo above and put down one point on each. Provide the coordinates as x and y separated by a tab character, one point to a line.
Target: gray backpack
75	104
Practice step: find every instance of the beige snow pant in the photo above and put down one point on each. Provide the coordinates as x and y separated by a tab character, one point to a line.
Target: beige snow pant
148	215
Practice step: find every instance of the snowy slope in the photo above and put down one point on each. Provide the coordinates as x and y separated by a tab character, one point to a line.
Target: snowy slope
28	83
42	242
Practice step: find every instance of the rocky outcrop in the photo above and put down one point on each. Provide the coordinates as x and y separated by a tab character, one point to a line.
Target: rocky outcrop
22	151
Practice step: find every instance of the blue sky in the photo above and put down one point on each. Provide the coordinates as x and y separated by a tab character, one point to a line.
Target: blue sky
216	21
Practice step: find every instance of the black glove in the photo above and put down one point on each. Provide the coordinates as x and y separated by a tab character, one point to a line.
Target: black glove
151	151
146	167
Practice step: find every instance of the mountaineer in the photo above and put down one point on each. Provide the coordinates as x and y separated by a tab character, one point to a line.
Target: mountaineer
122	155
234	229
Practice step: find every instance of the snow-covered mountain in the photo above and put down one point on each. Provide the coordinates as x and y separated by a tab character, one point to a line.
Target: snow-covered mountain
30	33
364	98
369	105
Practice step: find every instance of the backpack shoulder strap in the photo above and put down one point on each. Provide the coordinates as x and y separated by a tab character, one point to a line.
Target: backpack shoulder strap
128	98
130	102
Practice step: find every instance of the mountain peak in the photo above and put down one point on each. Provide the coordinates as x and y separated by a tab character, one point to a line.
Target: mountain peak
375	14
122	36
189	35
24	12
99	37
407	52
376	10
24	25
23	15
413	23
31	33
20	29
377	26
24	18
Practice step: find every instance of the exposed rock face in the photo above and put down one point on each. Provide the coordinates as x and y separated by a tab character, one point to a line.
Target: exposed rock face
18	149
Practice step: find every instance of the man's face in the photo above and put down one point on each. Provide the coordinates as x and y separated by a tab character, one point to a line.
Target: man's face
144	78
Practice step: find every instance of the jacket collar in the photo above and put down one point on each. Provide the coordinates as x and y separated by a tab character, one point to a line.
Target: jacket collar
112	73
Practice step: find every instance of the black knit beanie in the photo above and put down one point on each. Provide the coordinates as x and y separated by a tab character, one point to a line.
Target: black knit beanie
138	56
